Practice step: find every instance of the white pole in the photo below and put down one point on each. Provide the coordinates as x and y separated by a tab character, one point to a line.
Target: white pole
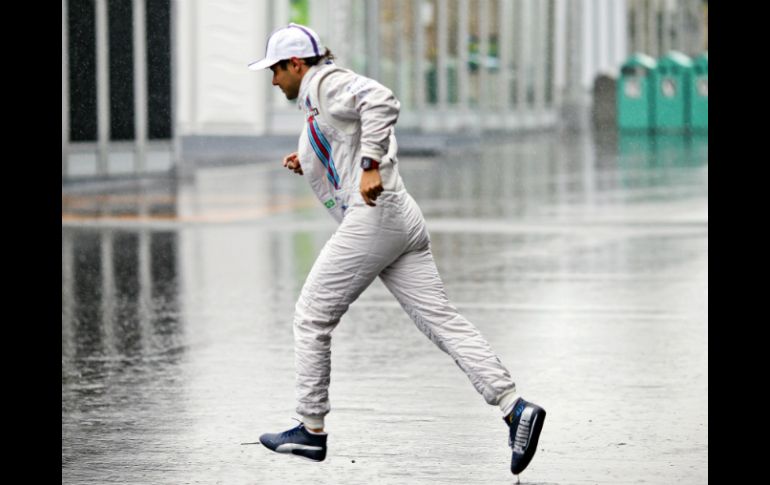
140	85
504	43
442	32
176	143
373	39
462	54
401	52
419	49
652	29
619	19
589	46
523	68
559	52
483	53
65	91
541	57
603	38
102	87
666	14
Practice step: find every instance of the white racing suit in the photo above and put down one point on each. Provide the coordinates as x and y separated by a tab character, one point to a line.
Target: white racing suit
349	116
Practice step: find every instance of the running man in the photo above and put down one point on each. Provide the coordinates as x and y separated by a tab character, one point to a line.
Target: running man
348	152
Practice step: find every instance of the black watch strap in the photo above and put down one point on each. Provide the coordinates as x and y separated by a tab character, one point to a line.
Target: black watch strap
368	163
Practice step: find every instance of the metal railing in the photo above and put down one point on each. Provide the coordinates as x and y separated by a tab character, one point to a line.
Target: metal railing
100	152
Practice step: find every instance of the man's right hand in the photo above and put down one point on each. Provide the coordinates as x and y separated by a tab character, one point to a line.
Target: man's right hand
291	161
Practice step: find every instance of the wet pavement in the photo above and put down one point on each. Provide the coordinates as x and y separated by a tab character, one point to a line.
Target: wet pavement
583	260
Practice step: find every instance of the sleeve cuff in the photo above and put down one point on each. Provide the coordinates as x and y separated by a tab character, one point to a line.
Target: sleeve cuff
375	154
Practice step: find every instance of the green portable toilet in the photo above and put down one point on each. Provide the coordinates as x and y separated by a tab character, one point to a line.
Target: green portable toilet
635	109
699	94
672	93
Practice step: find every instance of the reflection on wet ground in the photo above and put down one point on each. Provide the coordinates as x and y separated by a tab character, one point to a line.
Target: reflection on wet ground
583	260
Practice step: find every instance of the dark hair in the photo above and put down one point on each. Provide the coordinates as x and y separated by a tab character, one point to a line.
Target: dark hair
310	61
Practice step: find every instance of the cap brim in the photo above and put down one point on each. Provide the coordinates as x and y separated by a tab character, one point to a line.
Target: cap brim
263	64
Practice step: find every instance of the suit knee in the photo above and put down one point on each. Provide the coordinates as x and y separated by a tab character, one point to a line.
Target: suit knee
313	318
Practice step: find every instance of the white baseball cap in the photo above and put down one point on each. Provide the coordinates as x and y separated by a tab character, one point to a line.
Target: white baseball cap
294	40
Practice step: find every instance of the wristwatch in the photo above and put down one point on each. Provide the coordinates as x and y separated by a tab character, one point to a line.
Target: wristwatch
368	163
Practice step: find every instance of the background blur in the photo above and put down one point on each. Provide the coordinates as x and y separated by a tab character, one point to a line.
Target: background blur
150	85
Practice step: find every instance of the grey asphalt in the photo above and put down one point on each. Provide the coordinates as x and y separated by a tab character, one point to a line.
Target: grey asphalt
583	259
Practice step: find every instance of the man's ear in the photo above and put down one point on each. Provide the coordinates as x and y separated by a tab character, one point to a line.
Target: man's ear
296	63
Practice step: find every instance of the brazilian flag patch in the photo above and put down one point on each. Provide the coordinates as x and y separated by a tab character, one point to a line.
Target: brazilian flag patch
330	203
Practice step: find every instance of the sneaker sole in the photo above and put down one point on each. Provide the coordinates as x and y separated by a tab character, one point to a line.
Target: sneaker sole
308	459
291	450
537	427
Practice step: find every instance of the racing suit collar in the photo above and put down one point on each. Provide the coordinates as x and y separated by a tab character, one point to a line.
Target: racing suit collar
306	79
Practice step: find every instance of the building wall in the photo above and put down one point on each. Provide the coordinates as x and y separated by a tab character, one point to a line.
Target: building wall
216	40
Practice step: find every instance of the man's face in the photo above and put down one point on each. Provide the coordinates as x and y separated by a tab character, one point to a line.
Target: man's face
289	78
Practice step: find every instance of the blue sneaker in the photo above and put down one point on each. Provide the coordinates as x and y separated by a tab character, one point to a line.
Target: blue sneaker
525	423
297	441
